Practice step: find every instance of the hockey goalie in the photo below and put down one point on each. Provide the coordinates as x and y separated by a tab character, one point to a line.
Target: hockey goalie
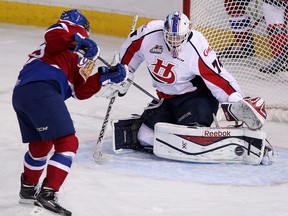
190	82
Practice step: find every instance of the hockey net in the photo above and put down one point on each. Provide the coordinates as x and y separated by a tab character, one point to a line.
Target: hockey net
250	40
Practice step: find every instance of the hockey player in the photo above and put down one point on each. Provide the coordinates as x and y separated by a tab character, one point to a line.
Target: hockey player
240	25
274	13
189	78
60	68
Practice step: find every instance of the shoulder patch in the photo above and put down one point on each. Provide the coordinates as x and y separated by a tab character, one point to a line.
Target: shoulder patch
158	49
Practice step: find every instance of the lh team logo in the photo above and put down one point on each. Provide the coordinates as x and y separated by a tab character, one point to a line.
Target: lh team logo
162	72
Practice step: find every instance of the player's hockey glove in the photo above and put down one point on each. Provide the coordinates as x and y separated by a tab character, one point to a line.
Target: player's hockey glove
114	74
86	47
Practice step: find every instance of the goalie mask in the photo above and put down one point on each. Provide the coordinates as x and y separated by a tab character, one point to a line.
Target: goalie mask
176	30
76	17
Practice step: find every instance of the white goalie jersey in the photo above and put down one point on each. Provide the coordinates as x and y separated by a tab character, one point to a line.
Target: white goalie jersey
172	76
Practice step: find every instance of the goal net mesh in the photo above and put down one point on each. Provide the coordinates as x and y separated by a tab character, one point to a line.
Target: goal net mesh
250	40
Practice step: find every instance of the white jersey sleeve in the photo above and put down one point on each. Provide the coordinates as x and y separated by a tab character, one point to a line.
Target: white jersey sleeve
220	82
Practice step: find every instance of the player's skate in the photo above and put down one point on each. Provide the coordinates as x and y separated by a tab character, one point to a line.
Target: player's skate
27	192
47	198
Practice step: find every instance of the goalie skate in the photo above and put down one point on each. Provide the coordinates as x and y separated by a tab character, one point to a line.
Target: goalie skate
209	145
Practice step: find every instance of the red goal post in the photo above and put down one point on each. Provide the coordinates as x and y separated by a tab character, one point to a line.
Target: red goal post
186	8
249	36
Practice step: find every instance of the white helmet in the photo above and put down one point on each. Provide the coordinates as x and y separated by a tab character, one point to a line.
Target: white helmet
177	27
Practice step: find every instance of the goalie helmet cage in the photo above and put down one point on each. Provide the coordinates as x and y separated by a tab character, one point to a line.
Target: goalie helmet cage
247	46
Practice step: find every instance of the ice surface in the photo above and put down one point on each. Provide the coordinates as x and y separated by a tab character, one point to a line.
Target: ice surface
133	184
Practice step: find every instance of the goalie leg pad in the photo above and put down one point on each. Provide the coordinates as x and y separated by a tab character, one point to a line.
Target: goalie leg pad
208	145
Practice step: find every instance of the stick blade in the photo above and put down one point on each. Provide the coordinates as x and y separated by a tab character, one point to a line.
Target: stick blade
99	156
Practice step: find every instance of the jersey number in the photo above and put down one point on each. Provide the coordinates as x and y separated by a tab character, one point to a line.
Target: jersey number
217	64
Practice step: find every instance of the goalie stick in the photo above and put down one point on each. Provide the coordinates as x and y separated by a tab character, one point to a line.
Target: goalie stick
98	154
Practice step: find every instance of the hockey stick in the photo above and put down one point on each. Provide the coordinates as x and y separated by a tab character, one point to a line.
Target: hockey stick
98	154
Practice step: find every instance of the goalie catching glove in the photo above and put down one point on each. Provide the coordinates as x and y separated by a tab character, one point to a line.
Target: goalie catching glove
114	79
251	111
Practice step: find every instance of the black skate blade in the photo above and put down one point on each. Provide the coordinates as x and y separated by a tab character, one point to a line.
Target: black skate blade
39	210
